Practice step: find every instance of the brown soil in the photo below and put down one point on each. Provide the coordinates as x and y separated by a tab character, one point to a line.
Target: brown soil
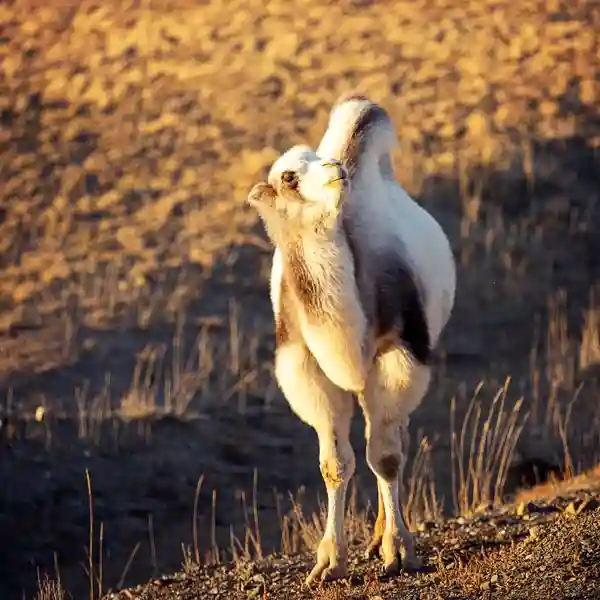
134	310
546	550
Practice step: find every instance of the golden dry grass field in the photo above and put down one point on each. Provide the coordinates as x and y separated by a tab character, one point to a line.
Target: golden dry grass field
136	334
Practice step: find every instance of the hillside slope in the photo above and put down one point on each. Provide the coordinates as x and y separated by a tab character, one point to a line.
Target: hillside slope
547	550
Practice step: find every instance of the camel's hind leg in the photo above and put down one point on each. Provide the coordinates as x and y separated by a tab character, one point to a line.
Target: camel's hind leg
375	543
394	389
328	409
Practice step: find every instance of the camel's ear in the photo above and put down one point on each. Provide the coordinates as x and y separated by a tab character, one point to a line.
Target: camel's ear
262	195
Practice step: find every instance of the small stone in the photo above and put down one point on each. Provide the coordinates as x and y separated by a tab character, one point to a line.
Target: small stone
130	238
447	131
26	316
548	108
447	159
477	124
588	91
40	413
534	532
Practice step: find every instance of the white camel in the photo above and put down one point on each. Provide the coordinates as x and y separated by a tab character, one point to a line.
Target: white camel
362	285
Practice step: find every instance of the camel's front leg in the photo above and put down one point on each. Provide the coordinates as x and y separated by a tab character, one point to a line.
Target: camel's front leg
328	409
336	460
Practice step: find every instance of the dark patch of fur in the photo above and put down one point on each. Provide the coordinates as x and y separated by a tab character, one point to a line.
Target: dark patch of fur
370	117
360	274
304	285
386	168
283	321
352	245
400	312
390	466
396	310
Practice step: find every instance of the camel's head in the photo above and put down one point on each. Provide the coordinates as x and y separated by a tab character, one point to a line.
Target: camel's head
304	193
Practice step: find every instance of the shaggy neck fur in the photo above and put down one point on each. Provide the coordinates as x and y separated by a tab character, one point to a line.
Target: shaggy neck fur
316	266
319	270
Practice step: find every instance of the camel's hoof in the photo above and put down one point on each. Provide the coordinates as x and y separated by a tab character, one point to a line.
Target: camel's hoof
326	574
392	569
407	564
373	549
331	564
412	564
334	573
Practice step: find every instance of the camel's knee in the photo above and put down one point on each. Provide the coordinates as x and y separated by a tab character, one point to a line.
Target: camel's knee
336	473
385	454
387	464
337	463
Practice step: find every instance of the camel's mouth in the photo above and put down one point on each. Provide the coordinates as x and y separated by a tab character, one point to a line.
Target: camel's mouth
262	193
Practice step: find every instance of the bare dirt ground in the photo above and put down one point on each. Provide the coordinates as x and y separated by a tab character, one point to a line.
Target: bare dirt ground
134	316
545	550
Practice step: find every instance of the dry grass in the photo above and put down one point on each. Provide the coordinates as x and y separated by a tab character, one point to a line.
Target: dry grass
50	590
554	487
482	452
589	351
481	455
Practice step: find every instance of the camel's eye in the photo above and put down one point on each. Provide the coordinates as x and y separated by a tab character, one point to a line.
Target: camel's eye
290	179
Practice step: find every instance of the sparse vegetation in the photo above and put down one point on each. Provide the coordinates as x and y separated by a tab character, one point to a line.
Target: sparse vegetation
135	331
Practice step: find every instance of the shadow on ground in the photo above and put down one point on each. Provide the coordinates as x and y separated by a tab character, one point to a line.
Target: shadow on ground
144	471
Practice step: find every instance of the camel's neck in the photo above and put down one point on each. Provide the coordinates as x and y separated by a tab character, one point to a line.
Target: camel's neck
319	268
319	273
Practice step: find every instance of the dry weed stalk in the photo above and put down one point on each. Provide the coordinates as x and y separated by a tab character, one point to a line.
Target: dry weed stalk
422	502
94	575
50	590
482	451
589	350
251	546
300	533
195	518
